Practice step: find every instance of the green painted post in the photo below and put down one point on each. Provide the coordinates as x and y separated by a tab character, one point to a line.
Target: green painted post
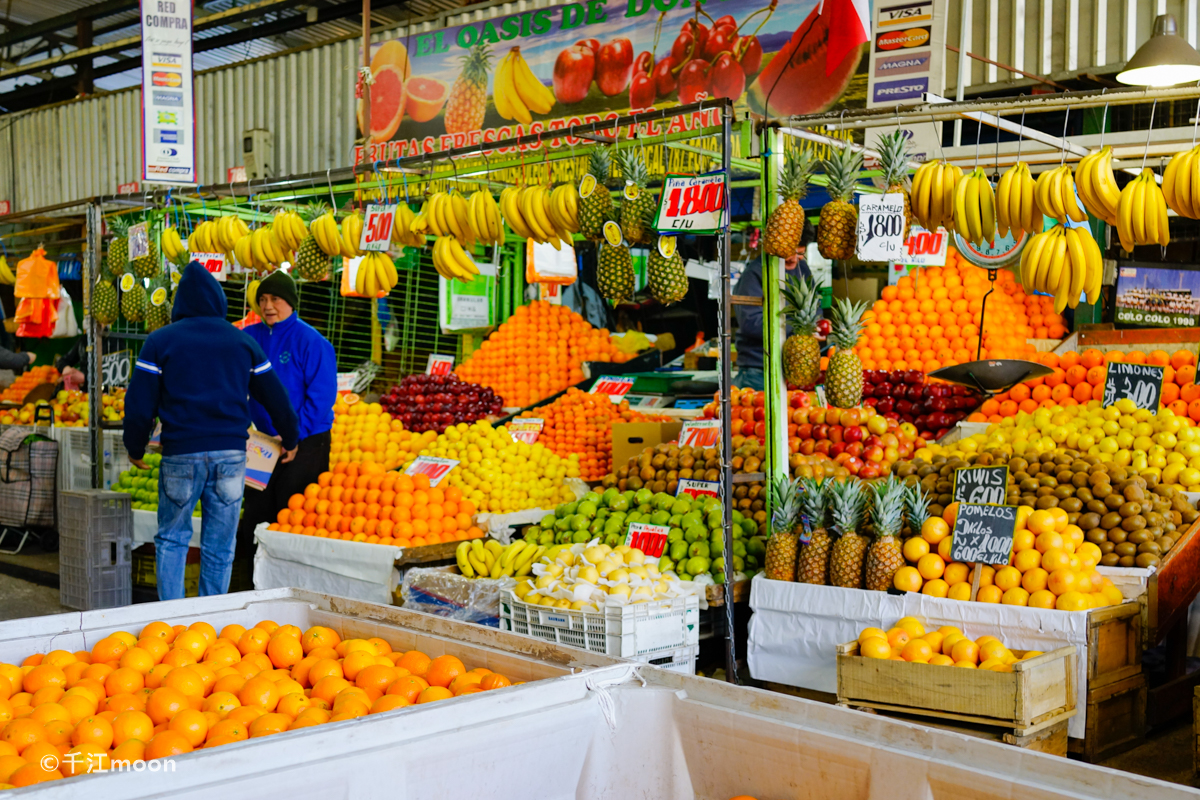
774	329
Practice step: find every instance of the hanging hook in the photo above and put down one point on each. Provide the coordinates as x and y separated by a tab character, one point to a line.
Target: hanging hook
1021	133
1066	117
332	199
996	168
1103	119
1149	129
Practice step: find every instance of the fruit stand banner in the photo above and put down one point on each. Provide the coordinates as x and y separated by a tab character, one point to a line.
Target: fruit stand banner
583	62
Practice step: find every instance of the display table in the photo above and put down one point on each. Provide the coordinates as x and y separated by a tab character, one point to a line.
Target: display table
796	628
145	526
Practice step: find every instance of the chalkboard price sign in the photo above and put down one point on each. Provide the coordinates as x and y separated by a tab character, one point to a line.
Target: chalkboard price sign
983	534
981	485
1141	383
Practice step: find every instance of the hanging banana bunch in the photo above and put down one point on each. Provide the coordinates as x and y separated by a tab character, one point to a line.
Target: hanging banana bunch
376	275
351	235
527	212
204	238
173	247
1064	262
1142	213
229	229
1098	186
402	232
288	231
975	208
933	194
1056	195
1016	205
452	262
6	274
325	230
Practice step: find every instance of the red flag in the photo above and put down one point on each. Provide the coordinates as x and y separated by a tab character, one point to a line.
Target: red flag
849	26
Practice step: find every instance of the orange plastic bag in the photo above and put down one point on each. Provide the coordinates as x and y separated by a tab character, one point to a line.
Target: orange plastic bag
37	276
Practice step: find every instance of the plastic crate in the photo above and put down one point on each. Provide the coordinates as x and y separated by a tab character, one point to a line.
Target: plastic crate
75	457
145	576
631	631
95	549
682	660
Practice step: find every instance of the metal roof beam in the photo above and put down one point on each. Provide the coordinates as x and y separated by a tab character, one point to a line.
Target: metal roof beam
24	33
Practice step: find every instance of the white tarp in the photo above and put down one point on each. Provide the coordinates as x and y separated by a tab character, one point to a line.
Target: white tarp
145	525
796	629
333	566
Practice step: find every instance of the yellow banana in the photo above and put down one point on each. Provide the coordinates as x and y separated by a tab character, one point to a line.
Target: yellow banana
1193	183
1105	183
933	189
1030	259
452	216
949	205
971	205
505	82
1055	273
528	198
533	92
1070	205
461	258
1004	202
499	93
351	235
1077	263
1177	184
1151	211
537	202
1125	216
987	208
1095	275
1160	206
1138	217
920	193
960	207
460	555
1054	263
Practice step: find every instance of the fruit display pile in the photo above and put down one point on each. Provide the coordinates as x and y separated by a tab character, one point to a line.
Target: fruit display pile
580	424
490	559
933	407
537	352
369	504
70	409
363	433
33	377
948	646
142	485
168	690
435	402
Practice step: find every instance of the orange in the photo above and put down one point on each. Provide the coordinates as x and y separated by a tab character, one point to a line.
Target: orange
415	662
387	703
494	681
227	731
356	662
32	774
43	676
908	579
328	687
130	752
132	725
1007	578
268	724
165	703
93	730
254	640
124	681
108	649
434	693
232	633
914	548
84	758
284	651
931	566
989	594
324	668
261	692
185	681
408	686
166	744
965	650
221	703
190	724
917	650
443	670
245	714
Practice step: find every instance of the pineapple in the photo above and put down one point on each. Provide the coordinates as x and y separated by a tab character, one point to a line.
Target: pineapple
666	277
104	302
836	231
158	313
117	258
614	273
781	547
637	215
312	263
844	375
149	265
597	208
917	503
468	95
893	163
133	303
849	551
786	223
885	556
801	350
813	566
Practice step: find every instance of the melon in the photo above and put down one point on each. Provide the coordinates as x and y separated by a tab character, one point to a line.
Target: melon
387	104
795	80
426	96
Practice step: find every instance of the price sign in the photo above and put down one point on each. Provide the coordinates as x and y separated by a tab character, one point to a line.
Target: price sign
700	433
377	228
139	241
468	311
5	208
525	429
235	174
983	534
116	369
1141	383
650	539
696	489
693	203
880	227
981	485
434	468
127	188
213	262
925	248
346	381
439	364
615	386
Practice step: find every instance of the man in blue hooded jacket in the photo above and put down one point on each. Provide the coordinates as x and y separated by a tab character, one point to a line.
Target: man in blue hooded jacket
307	365
196	376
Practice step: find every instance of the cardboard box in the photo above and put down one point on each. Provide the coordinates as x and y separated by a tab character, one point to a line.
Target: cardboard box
262	454
631	438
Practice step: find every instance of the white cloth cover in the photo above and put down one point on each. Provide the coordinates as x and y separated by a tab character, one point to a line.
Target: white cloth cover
333	566
145	525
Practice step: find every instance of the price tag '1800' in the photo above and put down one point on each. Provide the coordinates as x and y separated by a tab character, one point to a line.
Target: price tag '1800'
433	468
880	227
692	204
377	228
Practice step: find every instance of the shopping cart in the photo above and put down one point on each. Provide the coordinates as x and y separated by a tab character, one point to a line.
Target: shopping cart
28	483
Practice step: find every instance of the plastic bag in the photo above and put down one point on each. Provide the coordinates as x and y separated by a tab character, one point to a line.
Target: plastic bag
66	324
445	593
37	277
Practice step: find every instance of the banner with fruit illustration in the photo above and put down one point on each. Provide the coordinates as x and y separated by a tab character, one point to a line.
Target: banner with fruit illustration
594	60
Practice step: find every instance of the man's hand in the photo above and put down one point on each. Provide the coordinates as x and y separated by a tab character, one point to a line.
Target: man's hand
32	357
139	463
288	455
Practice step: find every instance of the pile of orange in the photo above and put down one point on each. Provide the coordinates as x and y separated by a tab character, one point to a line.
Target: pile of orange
932	318
581	423
537	352
364	433
1079	377
172	689
948	646
365	503
29	379
1051	565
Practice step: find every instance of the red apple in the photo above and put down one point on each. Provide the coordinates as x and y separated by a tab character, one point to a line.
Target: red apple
852	434
644	62
891	454
748	51
693	81
591	44
573	72
808	447
817	416
804	431
823	446
833	415
820	431
849	417
614	66
837	448
641	91
855	448
854	465
837	433
870	470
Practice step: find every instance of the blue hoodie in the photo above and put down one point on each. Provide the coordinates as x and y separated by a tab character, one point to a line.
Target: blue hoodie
197	375
304	360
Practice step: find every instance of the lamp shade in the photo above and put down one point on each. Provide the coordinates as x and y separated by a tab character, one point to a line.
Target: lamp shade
1164	60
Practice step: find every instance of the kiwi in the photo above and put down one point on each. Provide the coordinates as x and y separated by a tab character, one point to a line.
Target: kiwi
1096	535
1145	560
1130	509
1110	520
1134	523
1126	549
1109	560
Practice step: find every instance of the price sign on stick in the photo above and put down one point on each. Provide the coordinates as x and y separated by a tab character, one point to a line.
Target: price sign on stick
116	369
650	539
377	228
439	364
695	489
880	227
981	485
213	262
525	429
434	468
1141	383
692	204
700	433
983	534
614	386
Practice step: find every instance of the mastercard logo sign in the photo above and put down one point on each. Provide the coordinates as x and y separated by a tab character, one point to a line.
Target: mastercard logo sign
167	79
894	40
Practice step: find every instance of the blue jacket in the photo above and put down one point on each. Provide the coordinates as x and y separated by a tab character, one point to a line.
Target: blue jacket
197	376
304	360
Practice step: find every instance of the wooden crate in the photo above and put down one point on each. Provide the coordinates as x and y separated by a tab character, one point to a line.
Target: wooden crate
1116	720
1036	695
1114	644
1051	740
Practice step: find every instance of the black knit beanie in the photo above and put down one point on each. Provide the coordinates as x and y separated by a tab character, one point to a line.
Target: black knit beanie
280	284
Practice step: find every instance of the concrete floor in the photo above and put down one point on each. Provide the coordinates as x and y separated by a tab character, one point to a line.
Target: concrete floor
20	598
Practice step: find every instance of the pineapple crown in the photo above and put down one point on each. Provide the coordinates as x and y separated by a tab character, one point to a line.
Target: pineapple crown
847	502
802	305
888	513
785	507
797	169
893	158
600	164
633	167
847	323
313	210
813	503
841	170
476	63
119	226
918	507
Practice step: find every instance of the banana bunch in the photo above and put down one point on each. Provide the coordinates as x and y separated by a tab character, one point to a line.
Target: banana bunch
933	194
1181	183
402	232
173	247
447	214
484	218
1016	207
491	559
204	239
252	296
288	230
527	211
517	91
376	275
1098	186
1063	261
1055	191
325	230
351	235
229	229
1142	213
6	274
975	208
260	250
563	209
452	262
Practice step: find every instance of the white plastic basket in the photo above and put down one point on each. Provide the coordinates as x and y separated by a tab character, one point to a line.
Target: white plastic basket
631	631
75	458
682	660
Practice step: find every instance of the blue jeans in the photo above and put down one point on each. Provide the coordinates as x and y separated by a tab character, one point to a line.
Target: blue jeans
215	478
750	378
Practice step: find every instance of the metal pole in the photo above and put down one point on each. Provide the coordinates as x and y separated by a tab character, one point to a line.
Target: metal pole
366	62
726	326
91	262
774	274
